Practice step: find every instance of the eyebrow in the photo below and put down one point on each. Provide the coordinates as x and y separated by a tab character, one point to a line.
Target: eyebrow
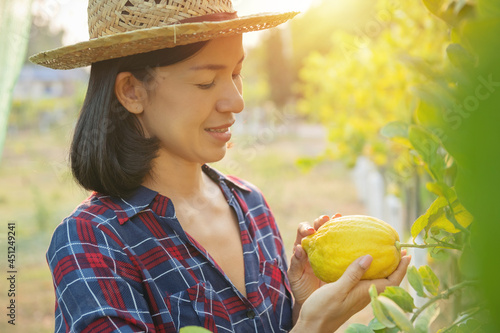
214	67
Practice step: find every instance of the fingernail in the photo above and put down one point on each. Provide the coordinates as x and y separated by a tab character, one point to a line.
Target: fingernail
365	261
311	229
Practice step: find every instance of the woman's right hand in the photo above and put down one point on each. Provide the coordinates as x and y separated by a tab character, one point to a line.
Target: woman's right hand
333	304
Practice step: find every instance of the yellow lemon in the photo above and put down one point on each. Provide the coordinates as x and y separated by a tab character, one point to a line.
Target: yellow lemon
340	241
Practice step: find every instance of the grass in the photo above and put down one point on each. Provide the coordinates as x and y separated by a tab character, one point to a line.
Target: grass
37	192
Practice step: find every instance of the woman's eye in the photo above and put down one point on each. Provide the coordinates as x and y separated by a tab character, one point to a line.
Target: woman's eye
206	86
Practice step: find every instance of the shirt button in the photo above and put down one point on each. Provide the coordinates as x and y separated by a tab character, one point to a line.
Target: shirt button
250	314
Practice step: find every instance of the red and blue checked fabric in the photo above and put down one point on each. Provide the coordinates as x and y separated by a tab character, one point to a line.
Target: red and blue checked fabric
128	266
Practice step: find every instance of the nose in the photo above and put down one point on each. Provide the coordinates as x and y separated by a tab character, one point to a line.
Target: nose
231	99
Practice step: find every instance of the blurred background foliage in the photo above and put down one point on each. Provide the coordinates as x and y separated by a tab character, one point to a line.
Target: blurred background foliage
424	75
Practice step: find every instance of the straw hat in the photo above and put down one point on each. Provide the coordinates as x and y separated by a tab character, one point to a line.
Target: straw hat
120	28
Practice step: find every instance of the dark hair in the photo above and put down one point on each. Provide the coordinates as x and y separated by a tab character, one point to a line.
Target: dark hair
109	152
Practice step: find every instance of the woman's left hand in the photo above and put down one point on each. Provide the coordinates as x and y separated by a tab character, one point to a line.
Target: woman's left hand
300	274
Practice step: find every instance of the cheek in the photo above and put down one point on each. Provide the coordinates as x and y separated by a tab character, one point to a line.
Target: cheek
174	123
155	120
175	110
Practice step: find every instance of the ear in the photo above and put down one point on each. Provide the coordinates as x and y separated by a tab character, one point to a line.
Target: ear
130	92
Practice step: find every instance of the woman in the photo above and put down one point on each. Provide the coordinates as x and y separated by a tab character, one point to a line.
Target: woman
165	241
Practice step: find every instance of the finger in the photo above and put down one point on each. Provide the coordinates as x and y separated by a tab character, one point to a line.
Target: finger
354	273
336	215
320	221
297	264
304	229
397	276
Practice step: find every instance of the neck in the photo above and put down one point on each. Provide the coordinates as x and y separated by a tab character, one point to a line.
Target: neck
176	178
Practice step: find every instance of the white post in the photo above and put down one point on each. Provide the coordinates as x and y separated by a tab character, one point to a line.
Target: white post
360	177
393	214
376	190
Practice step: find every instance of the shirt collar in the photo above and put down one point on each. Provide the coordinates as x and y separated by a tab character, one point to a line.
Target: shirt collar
142	198
218	177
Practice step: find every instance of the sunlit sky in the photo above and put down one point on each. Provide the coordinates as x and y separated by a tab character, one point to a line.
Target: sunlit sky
72	14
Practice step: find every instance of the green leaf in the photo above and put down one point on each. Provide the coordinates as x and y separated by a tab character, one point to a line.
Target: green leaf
375	325
378	312
441	221
445	13
459	4
435	217
419	65
434	210
440	255
394	329
193	329
427	145
395	129
434	6
420	224
462	215
396	314
459	56
425	319
373	292
401	297
358	328
430	280
428	114
441	189
433	97
416	281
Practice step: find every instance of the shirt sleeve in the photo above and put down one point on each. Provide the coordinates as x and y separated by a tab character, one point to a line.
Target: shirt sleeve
97	286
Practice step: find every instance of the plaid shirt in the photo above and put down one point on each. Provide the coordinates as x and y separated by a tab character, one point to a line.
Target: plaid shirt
128	266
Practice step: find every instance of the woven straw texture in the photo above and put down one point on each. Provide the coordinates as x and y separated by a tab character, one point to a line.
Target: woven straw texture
120	28
115	16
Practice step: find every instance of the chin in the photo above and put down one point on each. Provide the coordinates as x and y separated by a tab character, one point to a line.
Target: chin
215	156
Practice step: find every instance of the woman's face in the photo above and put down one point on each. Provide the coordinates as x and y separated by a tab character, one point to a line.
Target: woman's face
190	106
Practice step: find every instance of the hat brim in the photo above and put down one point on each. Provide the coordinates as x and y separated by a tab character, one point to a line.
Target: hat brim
147	40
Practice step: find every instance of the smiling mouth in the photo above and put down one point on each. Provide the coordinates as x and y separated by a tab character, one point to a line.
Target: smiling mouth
217	130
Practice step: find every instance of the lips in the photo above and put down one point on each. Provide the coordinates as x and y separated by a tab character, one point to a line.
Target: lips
220	133
217	130
220	129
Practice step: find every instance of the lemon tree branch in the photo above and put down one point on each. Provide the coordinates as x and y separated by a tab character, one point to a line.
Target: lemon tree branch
443	295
